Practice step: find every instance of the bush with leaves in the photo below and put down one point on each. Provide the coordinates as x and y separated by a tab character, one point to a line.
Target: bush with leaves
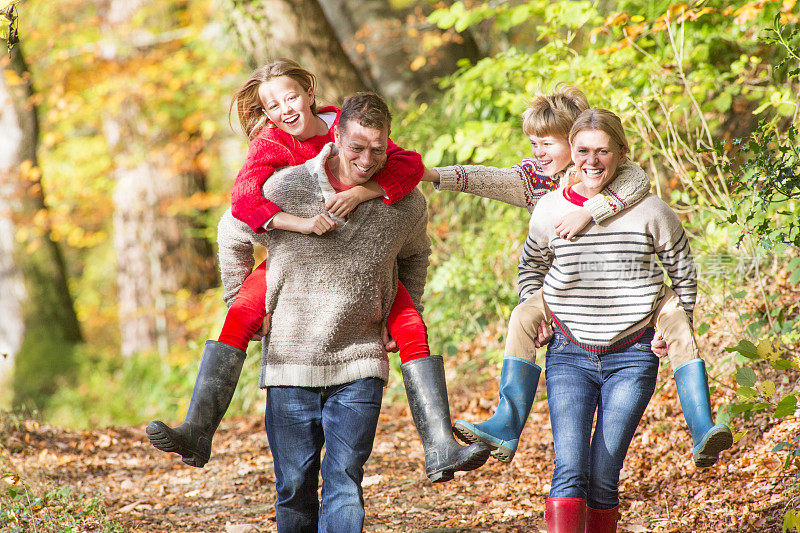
708	93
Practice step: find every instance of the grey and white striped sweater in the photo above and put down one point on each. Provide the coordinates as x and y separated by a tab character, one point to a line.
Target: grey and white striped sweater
603	286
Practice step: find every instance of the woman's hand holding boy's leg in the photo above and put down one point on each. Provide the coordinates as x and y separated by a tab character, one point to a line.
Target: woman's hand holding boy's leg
545	334
659	345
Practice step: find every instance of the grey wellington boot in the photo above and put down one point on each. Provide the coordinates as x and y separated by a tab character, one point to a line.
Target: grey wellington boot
213	390
427	396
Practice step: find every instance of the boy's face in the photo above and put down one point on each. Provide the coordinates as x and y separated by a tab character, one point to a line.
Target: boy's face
552	153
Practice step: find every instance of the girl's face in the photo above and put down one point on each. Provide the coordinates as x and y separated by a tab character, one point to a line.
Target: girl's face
288	106
596	158
552	153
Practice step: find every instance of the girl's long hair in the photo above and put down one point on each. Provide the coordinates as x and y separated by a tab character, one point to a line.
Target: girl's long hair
249	107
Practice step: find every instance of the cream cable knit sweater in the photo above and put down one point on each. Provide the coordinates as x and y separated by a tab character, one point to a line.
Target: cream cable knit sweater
329	294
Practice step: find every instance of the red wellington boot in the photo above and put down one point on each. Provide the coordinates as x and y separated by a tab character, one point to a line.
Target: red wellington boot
602	521
565	515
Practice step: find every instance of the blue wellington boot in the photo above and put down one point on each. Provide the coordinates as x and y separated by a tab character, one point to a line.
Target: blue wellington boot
518	381
708	439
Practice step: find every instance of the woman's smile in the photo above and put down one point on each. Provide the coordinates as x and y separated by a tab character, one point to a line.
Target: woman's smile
596	157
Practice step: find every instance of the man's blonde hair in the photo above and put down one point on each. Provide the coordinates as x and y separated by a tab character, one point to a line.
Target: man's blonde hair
554	113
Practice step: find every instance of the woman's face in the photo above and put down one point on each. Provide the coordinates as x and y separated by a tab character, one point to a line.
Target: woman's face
552	153
288	106
596	158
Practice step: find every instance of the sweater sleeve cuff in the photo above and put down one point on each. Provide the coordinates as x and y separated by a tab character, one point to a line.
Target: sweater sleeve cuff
265	226
600	207
394	189
256	217
449	179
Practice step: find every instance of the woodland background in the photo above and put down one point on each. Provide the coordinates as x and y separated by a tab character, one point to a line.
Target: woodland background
117	156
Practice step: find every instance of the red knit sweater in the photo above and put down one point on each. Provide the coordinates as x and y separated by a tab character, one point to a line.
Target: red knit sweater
274	149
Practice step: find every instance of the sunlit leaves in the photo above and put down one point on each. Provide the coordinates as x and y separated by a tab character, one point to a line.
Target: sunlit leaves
12	78
767	388
616	19
746	348
418	63
786	406
746	377
459	17
791	521
9	27
163	60
738	436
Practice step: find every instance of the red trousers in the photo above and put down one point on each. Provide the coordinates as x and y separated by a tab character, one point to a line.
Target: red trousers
246	316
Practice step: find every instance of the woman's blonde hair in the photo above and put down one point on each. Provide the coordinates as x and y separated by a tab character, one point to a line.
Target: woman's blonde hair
249	107
603	120
554	113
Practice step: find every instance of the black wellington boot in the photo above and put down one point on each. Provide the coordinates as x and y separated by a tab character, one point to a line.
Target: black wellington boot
213	390
427	396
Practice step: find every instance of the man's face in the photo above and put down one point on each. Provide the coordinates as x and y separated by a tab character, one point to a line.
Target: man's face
362	152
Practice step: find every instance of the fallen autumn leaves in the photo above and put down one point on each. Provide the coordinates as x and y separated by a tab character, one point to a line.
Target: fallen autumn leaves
146	490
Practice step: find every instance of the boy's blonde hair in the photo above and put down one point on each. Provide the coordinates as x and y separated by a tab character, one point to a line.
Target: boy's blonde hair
553	114
601	120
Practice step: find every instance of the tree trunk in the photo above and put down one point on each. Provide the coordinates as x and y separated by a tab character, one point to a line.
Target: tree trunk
38	312
156	252
397	48
296	29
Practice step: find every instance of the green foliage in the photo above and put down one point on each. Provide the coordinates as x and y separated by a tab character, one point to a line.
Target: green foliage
791	521
57	510
766	212
650	62
655	72
476	242
46	363
9	31
768	162
143	387
769	187
686	81
472	271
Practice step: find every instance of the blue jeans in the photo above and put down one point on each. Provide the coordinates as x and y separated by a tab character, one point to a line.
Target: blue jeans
299	420
617	386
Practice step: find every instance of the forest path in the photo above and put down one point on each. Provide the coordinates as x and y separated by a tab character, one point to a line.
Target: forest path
147	490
